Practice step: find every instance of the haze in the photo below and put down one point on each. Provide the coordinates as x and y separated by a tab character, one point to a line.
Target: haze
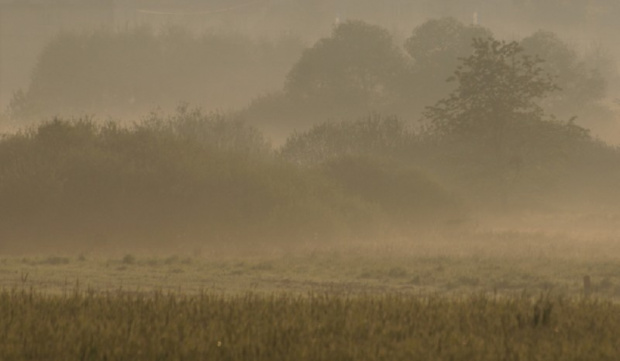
309	180
162	123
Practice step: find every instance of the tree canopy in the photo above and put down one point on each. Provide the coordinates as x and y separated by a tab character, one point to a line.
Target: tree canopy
496	85
582	86
492	128
435	48
359	64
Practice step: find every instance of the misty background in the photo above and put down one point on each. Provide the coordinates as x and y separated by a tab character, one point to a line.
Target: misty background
243	50
296	119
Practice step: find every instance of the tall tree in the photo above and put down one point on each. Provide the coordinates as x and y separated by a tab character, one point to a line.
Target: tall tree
435	48
583	86
497	87
358	66
492	124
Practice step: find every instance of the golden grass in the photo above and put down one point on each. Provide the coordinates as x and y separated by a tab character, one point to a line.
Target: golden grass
206	326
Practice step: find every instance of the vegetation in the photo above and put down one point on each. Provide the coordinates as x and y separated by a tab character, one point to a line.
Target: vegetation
92	326
494	111
358	64
198	177
583	82
494	131
435	48
552	256
280	87
187	177
374	135
384	222
114	73
357	70
360	68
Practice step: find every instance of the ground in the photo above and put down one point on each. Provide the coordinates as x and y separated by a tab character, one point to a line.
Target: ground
447	263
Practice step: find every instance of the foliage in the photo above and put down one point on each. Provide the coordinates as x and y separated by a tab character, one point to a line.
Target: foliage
181	178
373	135
492	125
192	176
373	159
214	130
579	84
131	71
359	69
497	86
582	83
435	47
356	70
358	65
404	193
161	326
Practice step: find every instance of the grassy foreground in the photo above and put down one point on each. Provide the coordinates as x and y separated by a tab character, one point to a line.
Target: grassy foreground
491	296
505	263
159	326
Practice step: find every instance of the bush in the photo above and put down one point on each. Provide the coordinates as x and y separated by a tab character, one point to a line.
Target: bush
186	177
375	135
404	193
376	159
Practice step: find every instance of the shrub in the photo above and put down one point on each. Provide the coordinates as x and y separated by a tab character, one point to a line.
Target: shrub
404	193
375	135
185	177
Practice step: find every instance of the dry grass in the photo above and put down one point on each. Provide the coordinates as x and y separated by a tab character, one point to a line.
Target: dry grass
444	296
506	262
159	326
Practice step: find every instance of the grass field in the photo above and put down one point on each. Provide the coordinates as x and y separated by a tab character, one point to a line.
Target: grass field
499	295
320	326
504	262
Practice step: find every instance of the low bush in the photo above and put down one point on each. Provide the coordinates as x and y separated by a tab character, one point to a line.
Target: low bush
374	135
404	193
185	177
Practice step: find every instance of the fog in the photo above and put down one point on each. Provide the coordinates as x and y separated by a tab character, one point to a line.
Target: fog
26	27
148	123
292	179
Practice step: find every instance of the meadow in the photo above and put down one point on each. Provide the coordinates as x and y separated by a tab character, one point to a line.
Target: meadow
488	232
188	237
508	263
501	295
162	326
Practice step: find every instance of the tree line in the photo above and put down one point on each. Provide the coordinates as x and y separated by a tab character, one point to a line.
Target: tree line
489	144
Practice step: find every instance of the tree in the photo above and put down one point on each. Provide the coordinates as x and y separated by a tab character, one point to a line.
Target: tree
113	73
492	125
435	47
497	86
358	66
583	85
356	71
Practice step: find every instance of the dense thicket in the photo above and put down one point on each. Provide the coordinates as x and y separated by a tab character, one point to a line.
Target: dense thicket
196	178
357	69
540	163
490	141
193	177
360	68
112	73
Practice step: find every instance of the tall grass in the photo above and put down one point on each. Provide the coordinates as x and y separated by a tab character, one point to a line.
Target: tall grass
121	326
